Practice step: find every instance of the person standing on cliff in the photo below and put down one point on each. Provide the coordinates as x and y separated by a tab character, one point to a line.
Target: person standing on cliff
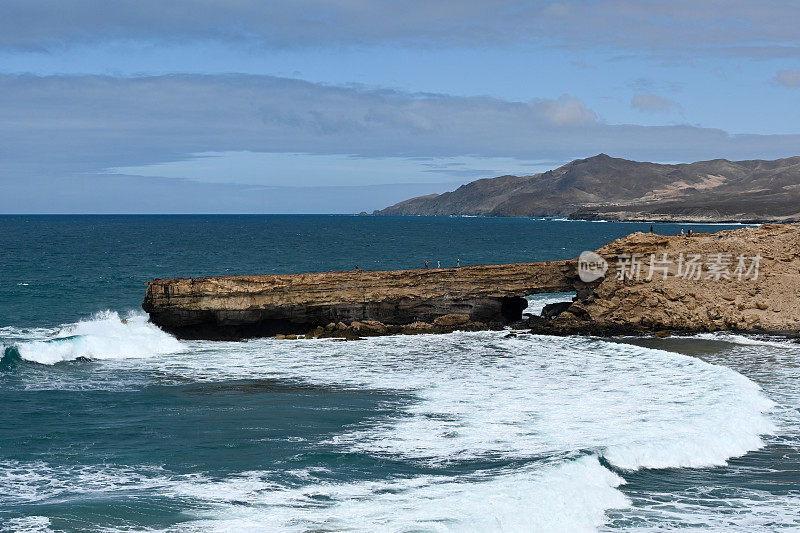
426	263
651	228
458	263
438	264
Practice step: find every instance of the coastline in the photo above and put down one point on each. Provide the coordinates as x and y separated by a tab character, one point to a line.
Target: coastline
756	294
709	221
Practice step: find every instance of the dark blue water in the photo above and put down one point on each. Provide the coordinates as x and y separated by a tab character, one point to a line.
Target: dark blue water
116	426
56	269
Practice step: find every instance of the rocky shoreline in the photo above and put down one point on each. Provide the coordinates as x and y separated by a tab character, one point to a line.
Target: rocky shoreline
699	217
372	328
237	307
745	280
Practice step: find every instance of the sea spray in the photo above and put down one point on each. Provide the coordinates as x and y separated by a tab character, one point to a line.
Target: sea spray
540	415
104	336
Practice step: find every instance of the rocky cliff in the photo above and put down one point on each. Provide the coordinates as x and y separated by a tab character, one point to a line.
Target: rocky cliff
745	280
246	306
604	187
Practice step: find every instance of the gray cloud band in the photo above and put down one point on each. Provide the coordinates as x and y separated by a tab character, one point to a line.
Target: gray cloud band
734	27
88	123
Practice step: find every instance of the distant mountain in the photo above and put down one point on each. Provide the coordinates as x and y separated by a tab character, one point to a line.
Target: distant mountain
604	187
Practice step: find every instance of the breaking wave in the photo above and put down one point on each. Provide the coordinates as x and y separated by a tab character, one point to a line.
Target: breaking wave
104	336
558	422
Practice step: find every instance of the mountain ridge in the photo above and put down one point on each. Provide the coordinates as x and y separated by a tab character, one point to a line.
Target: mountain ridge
610	188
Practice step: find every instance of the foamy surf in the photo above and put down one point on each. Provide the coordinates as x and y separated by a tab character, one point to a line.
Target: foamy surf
747	340
557	408
637	407
104	336
569	497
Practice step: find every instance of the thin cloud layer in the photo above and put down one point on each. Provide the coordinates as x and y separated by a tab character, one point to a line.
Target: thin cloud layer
566	111
788	78
738	27
652	103
89	123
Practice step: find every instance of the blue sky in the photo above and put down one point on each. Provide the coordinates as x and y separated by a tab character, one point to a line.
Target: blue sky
311	106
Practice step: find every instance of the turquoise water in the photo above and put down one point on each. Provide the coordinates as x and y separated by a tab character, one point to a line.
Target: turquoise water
117	426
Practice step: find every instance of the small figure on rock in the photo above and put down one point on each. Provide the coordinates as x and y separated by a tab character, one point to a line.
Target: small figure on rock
458	263
426	263
438	264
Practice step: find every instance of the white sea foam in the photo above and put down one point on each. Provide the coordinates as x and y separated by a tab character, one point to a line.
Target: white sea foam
27	524
536	302
480	395
570	497
38	481
556	405
743	339
104	336
742	510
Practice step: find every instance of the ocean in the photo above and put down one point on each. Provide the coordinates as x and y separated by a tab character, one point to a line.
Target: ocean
112	425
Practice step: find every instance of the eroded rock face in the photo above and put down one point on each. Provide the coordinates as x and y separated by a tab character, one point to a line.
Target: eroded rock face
233	307
366	303
717	298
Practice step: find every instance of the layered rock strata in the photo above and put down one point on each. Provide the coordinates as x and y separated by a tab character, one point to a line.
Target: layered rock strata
744	280
233	307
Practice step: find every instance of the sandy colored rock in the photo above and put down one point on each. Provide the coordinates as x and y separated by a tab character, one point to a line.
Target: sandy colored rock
418	328
451	320
231	307
700	287
705	304
369	327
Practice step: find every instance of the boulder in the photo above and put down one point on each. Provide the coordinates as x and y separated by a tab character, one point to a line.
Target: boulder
555	309
451	320
369	327
416	328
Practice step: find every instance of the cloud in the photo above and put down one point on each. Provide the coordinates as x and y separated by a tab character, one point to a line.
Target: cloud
85	123
61	129
788	78
566	111
739	27
652	103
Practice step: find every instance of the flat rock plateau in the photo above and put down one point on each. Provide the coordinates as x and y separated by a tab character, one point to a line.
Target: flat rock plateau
232	307
743	280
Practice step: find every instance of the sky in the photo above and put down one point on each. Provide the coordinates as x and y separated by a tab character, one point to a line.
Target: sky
342	106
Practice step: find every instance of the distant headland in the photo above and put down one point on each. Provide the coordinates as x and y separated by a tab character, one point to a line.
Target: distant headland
609	188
